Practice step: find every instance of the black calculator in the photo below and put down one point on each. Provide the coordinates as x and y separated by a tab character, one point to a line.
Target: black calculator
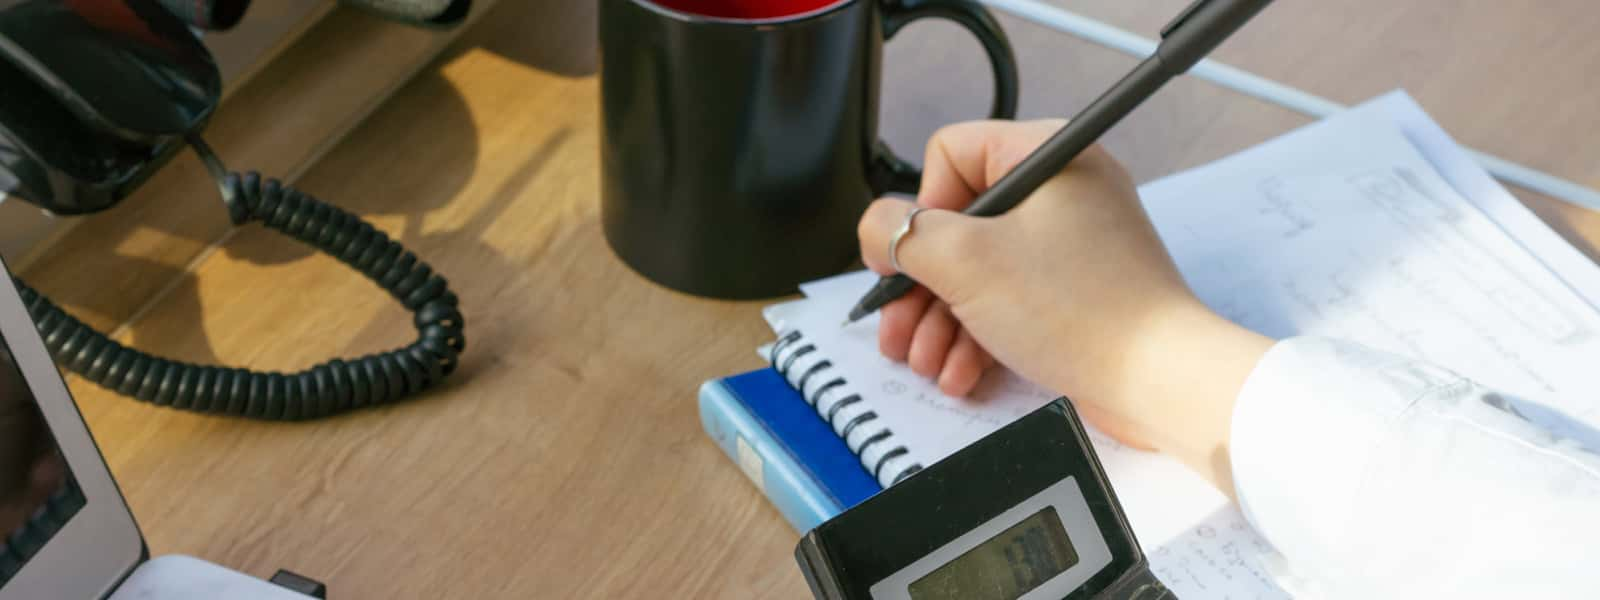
1025	513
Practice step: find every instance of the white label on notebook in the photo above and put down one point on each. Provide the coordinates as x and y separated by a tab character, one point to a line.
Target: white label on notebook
750	463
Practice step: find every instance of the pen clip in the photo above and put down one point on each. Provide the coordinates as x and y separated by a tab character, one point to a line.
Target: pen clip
1183	16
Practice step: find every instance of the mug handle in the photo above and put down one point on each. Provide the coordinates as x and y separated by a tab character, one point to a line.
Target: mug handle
891	173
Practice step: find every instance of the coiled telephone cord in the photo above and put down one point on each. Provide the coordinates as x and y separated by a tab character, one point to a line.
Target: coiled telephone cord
330	388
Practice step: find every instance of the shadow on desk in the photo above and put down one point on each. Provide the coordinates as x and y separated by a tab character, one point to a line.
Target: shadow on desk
410	200
407	161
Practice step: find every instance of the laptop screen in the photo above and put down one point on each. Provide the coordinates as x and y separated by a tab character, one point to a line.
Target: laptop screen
38	493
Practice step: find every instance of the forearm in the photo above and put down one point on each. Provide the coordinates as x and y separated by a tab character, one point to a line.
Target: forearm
1179	382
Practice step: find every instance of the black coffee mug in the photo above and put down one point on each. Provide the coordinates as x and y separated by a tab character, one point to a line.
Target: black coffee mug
740	137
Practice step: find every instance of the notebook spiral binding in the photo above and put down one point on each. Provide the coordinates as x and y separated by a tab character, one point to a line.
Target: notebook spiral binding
843	407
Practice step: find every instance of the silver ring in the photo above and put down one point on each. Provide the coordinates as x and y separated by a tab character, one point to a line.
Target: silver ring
905	230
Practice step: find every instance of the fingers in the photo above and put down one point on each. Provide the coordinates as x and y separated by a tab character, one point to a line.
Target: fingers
951	177
919	328
944	250
899	321
959	259
964	159
931	342
964	366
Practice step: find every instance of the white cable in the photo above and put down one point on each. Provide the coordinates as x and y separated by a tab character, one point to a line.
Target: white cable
1271	91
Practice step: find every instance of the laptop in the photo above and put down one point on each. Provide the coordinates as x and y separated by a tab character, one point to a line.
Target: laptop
65	530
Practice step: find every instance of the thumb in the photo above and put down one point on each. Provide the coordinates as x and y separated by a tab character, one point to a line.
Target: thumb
944	250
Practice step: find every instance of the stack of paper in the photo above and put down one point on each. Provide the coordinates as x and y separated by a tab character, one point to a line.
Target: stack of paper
1371	226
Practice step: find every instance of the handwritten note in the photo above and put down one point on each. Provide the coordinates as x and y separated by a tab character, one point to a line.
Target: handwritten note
1370	226
1374	245
936	425
1221	558
1167	504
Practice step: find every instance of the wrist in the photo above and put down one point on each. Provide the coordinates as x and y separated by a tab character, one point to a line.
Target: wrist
1188	367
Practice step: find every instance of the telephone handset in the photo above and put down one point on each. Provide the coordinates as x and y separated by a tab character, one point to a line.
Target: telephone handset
101	93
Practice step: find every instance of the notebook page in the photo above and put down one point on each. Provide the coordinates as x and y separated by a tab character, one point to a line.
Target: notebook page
1342	228
1168	505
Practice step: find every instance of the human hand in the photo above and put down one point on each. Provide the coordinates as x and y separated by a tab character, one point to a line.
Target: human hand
1072	289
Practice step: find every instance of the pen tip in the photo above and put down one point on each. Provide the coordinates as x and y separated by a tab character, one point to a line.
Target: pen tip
856	314
845	324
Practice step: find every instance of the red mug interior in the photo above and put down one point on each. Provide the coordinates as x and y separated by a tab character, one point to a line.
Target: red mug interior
751	10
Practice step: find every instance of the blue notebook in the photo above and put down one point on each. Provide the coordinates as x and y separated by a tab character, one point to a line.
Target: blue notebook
784	447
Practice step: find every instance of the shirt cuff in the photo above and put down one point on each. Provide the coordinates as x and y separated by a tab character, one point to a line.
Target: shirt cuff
1305	425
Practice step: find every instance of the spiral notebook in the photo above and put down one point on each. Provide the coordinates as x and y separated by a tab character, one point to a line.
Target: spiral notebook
843	408
1371	226
862	401
897	422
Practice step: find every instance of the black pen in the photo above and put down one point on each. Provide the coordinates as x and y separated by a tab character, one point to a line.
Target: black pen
1196	31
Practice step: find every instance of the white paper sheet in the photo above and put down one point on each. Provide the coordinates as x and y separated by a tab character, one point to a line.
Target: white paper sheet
1345	230
1167	504
1371	226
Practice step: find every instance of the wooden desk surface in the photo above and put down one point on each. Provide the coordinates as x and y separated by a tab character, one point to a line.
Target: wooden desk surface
565	459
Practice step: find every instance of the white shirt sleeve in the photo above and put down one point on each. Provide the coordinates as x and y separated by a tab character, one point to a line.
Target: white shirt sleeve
1378	476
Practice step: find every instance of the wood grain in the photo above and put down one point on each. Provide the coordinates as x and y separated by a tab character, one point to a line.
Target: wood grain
566	458
513	478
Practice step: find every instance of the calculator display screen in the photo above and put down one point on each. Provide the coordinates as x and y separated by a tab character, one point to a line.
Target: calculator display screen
1006	566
